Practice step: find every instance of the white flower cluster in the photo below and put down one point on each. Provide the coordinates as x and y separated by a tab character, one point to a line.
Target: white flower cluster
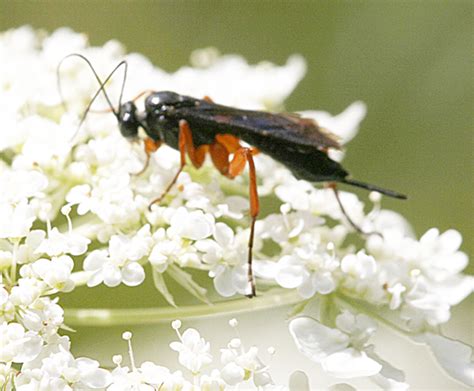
72	212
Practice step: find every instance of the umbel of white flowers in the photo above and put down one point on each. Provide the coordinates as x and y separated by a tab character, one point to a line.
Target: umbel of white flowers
395	279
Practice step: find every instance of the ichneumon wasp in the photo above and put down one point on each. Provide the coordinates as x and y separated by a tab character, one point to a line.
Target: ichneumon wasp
200	127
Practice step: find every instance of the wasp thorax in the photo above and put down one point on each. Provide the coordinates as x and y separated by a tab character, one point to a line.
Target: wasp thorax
164	102
128	121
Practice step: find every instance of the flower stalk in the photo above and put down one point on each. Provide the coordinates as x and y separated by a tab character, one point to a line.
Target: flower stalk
99	317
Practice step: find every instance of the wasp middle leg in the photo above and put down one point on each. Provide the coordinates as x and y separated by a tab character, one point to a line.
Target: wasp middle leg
186	146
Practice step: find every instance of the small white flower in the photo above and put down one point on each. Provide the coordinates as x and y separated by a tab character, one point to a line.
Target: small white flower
119	263
16	219
45	317
55	273
28	251
18	185
122	248
281	228
212	382
47	144
112	272
241	364
191	225
149	377
26	291
439	255
423	306
194	351
17	345
359	266
295	193
309	269
7	308
60	370
233	373
226	253
172	249
339	350
80	195
58	243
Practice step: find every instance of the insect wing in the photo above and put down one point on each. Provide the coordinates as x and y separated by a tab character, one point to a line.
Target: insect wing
285	127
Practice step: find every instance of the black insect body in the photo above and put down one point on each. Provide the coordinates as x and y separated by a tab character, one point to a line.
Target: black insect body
297	142
197	127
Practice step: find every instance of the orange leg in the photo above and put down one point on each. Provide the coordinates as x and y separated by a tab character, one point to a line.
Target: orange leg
141	94
230	142
236	166
220	157
186	145
196	155
150	146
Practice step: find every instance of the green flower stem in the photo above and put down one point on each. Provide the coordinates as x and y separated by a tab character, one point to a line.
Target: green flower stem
82	225
140	316
16	245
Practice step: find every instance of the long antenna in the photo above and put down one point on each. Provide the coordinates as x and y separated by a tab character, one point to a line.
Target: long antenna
101	86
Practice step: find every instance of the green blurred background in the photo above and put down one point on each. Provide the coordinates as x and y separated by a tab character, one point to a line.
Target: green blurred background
411	62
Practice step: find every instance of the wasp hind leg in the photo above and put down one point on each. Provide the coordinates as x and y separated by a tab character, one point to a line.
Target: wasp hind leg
242	157
219	152
354	225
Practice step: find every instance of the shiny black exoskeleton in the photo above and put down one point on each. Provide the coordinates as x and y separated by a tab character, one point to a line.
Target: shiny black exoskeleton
298	143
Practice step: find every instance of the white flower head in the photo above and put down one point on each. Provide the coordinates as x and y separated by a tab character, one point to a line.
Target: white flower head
303	242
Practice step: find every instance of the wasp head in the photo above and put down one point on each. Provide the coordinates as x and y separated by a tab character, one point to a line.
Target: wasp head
128	121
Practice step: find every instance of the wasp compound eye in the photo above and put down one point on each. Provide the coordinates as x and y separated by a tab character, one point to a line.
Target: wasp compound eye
128	121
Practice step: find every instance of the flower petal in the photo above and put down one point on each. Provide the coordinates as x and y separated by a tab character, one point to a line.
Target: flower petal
133	274
350	363
315	340
454	356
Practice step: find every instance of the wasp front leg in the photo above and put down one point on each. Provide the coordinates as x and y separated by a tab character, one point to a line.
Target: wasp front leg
150	146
